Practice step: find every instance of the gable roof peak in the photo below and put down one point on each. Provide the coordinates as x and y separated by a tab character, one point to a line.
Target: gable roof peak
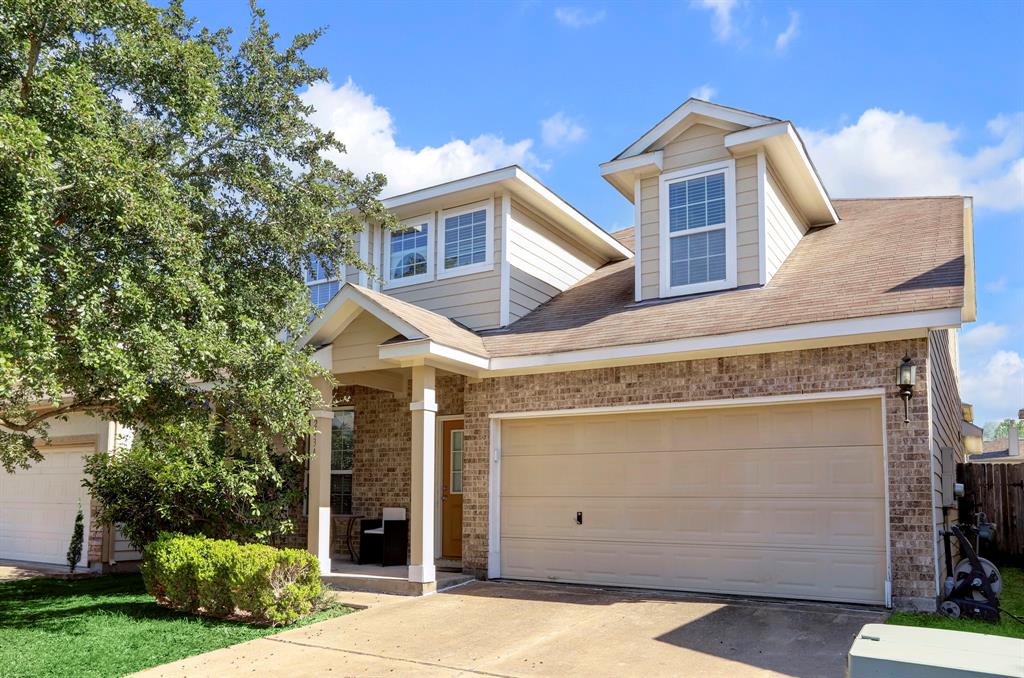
689	108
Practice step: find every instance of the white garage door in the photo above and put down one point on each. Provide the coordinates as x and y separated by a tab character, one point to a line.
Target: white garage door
38	507
779	500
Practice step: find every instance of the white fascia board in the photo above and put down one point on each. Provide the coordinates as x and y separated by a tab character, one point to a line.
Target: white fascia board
770	136
424	349
622	173
449	187
677	348
692	107
333	312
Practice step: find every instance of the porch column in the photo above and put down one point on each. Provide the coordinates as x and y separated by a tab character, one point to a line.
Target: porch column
424	412
318	535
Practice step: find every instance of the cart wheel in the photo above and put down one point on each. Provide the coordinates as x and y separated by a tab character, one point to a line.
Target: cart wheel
950	609
963	570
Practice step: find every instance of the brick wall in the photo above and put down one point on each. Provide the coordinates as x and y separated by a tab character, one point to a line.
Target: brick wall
828	369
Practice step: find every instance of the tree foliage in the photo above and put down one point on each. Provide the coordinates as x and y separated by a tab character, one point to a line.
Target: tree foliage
161	190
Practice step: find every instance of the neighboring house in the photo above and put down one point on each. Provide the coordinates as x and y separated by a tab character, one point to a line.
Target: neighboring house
38	504
1002	449
705	402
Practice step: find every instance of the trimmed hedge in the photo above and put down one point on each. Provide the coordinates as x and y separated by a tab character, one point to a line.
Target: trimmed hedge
223	578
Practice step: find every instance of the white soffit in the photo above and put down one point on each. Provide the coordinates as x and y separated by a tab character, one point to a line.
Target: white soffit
787	154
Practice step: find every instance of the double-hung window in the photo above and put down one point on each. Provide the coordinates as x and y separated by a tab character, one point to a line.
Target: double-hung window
698	229
408	254
467	239
342	461
322	287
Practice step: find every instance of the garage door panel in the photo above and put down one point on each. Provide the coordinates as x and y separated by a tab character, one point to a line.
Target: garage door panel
38	506
772	572
780	500
818	471
799	522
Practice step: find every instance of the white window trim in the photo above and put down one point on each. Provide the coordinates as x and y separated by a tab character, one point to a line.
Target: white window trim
427	219
488	263
666	288
339	472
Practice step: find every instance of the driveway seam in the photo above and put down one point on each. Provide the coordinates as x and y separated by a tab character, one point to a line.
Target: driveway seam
389	658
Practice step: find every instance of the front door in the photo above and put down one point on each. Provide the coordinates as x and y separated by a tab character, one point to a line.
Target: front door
451	489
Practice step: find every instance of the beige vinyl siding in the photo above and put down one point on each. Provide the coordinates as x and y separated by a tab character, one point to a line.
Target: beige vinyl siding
356	349
946	412
698	145
473	299
783	224
748	252
647	249
542	261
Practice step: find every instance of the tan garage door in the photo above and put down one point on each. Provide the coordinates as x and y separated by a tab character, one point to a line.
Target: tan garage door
779	500
38	507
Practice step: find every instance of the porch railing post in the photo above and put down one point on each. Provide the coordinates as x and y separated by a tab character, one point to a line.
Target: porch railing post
423	409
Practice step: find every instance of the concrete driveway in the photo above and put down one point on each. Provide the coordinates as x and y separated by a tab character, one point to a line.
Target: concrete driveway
522	629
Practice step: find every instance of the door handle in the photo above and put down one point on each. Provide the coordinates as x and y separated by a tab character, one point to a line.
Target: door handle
579	517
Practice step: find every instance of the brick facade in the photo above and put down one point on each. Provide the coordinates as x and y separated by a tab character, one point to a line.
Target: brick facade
381	475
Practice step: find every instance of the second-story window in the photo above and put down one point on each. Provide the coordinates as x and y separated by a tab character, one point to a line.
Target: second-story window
467	235
322	287
698	230
408	253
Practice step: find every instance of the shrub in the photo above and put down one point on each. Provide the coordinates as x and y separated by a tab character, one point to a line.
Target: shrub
77	537
222	578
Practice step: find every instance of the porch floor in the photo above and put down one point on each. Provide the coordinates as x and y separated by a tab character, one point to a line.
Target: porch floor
348	576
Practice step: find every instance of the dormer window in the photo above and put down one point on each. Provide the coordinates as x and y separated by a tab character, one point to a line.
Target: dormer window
467	239
322	287
698	229
408	253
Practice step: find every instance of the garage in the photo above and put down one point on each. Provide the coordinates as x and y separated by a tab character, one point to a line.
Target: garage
38	507
781	500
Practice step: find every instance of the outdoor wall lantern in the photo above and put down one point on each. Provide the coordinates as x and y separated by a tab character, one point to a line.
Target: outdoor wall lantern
905	376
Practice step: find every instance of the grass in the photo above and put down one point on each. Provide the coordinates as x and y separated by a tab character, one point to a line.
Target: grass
1011	599
106	626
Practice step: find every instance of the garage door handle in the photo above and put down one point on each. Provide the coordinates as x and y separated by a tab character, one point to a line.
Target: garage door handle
579	517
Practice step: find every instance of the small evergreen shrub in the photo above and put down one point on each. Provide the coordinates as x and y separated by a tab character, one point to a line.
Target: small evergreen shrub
224	578
77	537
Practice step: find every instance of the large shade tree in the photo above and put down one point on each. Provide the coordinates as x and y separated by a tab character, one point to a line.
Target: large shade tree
161	190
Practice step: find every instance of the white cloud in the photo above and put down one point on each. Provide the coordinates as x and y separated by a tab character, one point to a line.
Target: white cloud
577	17
783	39
984	335
705	92
998	285
368	132
560	130
896	154
721	19
995	387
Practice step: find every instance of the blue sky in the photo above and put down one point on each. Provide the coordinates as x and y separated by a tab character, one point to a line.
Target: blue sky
892	99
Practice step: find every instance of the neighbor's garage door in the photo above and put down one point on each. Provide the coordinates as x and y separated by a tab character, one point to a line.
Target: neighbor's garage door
780	500
38	507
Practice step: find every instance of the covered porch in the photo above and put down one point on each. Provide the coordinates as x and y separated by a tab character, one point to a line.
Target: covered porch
389	439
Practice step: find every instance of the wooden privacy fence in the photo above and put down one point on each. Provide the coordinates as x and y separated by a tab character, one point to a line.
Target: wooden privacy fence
998	490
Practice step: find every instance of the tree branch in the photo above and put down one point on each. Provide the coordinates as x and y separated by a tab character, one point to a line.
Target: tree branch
34	45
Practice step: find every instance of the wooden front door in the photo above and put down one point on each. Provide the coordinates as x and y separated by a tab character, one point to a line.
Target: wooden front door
451	489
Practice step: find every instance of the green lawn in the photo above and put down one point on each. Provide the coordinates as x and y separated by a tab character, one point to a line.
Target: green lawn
1012	599
107	626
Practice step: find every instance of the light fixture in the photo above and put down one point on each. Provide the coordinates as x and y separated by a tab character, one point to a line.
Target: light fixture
905	376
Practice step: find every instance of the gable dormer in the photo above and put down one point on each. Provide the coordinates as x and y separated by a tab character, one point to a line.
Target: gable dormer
721	196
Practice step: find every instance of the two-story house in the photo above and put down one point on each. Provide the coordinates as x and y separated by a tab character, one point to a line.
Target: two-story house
707	401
